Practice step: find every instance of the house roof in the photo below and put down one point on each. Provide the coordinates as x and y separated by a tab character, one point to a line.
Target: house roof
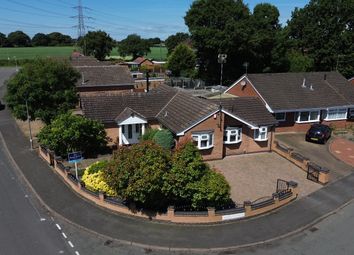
106	107
114	75
184	111
78	60
284	91
140	60
249	109
126	113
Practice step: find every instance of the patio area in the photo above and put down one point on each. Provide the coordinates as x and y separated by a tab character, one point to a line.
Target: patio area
253	176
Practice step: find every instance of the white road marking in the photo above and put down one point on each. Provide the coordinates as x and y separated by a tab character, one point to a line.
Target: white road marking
64	235
58	226
42	219
77	253
71	244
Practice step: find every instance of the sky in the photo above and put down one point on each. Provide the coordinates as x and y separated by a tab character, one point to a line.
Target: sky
148	18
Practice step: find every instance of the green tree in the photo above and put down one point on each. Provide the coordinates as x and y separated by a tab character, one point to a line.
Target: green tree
48	86
153	41
323	31
40	39
136	173
3	40
97	43
58	39
219	27
149	134
187	169
164	138
19	39
300	62
211	191
173	40
133	45
182	61
68	133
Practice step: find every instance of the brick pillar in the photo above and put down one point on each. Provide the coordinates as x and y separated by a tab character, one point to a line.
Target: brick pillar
323	177
276	198
248	208
171	212
101	195
211	212
294	187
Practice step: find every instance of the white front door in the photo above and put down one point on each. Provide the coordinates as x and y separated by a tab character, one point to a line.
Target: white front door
131	133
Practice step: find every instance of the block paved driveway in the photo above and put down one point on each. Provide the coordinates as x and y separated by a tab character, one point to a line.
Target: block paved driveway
254	176
343	149
317	153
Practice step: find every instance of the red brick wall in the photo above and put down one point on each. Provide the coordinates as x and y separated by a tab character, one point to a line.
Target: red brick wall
243	91
248	144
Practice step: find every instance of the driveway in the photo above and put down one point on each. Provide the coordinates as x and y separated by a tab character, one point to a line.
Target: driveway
317	153
254	176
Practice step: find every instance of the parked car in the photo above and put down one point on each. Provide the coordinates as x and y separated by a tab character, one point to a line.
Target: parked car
318	133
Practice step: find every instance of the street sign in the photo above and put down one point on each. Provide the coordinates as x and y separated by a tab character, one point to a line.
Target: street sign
75	157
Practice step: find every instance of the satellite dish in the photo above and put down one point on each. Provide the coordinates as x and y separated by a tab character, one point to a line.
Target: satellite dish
243	83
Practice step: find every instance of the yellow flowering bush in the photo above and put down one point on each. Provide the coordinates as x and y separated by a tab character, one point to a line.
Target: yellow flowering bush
94	179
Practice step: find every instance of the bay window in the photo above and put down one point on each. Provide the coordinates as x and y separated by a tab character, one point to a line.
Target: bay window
261	134
310	116
232	135
336	114
204	140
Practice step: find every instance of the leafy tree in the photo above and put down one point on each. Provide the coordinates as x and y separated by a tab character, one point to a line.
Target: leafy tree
300	62
58	39
182	61
3	40
212	190
97	43
19	39
136	173
49	87
93	178
219	27
40	39
133	45
149	134
164	138
68	133
173	40
323	31
187	169
153	41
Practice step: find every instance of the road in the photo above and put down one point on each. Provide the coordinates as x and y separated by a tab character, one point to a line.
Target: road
25	228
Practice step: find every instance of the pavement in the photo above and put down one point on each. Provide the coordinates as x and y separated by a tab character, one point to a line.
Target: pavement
343	150
261	170
318	153
64	203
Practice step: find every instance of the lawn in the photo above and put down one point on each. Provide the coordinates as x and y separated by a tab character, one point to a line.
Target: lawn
156	53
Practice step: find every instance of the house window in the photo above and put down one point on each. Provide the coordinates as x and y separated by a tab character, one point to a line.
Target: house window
280	116
337	114
130	131
261	134
204	140
138	129
311	116
351	113
123	129
232	135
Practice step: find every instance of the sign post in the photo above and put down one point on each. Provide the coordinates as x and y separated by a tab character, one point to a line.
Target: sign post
75	157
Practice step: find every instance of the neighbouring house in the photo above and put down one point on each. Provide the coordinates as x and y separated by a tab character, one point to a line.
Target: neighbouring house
298	100
218	127
351	80
141	63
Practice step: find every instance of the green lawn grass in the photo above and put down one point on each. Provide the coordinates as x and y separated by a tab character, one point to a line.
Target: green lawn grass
156	53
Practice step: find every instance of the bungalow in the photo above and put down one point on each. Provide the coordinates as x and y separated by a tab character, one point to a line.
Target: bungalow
298	100
218	127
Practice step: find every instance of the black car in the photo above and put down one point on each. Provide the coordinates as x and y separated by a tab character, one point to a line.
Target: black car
318	133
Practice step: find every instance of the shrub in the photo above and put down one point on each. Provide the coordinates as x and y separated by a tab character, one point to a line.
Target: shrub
164	138
149	134
94	178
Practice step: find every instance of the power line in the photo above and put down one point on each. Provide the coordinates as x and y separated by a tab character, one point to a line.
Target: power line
36	8
81	28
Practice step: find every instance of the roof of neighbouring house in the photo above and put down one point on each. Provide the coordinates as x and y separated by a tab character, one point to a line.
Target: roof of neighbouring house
114	75
248	109
140	60
78	60
285	91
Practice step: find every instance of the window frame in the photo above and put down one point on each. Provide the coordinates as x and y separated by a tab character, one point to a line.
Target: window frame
258	134
337	110
201	137
309	120
228	133
283	119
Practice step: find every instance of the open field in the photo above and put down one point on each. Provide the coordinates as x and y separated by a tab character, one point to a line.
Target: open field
10	54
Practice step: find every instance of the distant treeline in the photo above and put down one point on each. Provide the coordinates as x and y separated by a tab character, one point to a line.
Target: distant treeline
21	39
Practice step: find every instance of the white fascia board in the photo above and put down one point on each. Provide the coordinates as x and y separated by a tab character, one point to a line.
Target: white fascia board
132	120
250	82
239	119
314	109
197	123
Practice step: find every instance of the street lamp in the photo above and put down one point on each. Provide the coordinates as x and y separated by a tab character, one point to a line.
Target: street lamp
222	60
29	125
